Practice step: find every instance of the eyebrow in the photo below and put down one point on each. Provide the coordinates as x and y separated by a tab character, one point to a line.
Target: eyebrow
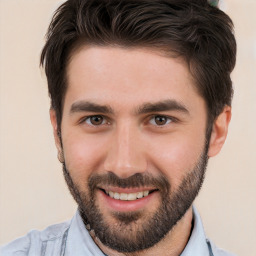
86	106
166	105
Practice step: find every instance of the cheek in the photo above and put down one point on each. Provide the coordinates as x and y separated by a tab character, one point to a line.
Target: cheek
176	157
82	154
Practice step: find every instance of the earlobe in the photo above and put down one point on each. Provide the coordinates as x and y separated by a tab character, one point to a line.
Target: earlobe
219	131
56	134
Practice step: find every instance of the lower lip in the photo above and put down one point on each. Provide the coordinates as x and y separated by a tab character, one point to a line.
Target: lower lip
127	206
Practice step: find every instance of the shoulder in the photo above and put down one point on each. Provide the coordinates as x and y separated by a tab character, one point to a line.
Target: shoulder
218	251
34	241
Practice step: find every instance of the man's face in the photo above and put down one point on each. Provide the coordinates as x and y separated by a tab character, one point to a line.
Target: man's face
133	138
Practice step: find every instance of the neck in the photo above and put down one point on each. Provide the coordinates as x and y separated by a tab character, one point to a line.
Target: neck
174	242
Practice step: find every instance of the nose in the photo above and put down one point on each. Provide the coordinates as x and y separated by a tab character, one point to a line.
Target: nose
126	155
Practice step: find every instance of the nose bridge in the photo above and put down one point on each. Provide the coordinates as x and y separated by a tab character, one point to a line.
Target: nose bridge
126	156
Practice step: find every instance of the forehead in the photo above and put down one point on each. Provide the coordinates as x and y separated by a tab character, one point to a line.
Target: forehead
127	76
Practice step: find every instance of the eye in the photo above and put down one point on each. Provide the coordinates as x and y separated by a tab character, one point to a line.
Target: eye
160	120
95	120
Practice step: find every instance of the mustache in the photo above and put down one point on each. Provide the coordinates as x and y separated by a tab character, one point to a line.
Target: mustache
136	180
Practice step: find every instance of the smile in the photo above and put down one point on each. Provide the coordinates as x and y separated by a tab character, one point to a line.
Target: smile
127	199
128	196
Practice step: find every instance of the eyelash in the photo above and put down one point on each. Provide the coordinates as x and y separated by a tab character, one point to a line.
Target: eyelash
149	119
167	118
85	119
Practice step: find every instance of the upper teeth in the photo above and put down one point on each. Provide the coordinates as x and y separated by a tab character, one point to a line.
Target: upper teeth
127	196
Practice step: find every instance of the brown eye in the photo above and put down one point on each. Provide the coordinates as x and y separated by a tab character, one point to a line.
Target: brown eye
160	120
95	120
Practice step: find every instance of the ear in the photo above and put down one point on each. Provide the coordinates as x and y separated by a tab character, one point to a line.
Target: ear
56	134
219	131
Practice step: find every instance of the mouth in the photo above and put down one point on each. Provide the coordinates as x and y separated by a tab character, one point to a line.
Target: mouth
128	196
118	199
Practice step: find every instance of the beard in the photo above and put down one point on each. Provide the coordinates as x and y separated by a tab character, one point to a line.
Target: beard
136	231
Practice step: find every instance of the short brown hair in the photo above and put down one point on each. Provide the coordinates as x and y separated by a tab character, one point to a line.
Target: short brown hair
193	29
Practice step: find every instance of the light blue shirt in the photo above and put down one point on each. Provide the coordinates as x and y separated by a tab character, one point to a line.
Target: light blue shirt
72	239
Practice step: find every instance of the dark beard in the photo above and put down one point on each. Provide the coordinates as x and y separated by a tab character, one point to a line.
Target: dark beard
133	231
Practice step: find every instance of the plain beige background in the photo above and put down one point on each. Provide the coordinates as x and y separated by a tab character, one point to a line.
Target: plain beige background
33	194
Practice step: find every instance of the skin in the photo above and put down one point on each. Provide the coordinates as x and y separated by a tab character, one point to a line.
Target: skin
130	141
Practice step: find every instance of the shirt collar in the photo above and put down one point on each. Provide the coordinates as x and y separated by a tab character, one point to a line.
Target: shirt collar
79	241
197	244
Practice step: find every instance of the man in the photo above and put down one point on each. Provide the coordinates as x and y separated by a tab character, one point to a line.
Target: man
140	99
